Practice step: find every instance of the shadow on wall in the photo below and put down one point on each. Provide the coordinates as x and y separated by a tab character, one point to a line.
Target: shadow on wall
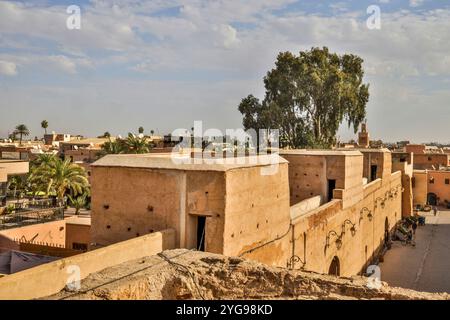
6	244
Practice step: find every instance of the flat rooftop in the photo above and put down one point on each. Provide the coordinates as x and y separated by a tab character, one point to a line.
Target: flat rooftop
10	160
318	152
87	141
180	162
373	150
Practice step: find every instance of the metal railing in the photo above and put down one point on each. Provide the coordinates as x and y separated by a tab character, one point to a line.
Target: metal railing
29	216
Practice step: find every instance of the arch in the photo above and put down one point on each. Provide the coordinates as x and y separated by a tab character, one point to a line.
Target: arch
335	267
432	199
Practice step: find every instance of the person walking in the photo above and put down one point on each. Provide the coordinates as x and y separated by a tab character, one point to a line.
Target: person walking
434	210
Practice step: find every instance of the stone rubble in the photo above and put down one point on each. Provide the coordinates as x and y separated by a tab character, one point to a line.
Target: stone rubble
186	274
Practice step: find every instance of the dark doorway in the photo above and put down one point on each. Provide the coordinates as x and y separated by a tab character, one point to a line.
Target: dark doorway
331	187
373	172
201	222
432	199
386	230
335	268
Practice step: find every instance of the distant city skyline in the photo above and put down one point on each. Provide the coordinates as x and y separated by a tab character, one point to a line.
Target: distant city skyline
165	64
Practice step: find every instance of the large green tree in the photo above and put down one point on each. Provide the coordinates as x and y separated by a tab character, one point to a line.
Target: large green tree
308	96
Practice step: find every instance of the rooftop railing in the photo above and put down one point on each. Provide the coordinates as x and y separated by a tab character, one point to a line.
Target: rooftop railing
28	216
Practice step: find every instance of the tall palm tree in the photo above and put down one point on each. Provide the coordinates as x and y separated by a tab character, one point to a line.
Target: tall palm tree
152	132
22	130
44	125
136	144
61	176
141	130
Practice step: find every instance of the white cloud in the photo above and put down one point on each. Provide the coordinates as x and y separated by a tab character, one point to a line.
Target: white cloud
7	68
63	63
229	35
416	3
216	40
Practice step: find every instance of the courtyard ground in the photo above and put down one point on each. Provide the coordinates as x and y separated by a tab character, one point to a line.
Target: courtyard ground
425	267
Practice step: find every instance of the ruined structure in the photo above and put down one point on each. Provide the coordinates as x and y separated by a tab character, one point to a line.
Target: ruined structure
341	209
184	274
206	203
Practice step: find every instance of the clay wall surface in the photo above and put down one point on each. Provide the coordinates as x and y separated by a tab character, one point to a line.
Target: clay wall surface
52	277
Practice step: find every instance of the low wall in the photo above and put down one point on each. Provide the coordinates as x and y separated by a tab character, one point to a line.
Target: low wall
361	228
52	233
305	206
47	250
15	166
50	278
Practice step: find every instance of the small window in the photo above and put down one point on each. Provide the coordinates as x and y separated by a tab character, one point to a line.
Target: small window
431	180
429	158
447	181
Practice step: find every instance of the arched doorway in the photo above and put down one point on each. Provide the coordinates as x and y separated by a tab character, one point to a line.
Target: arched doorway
432	199
335	268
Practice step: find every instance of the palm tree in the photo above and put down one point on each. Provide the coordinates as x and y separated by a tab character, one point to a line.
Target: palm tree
44	125
136	144
78	202
44	159
141	130
17	183
152	132
22	130
112	147
60	176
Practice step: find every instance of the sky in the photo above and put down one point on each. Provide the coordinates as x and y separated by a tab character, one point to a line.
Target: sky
163	64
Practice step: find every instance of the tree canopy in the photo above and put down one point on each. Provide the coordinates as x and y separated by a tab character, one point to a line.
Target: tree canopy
308	97
50	174
44	125
22	130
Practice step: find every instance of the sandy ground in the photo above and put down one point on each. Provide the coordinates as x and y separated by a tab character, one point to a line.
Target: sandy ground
425	267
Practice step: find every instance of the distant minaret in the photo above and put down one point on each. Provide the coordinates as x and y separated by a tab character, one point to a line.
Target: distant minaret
363	136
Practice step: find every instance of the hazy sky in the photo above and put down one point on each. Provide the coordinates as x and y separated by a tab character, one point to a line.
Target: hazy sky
162	64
